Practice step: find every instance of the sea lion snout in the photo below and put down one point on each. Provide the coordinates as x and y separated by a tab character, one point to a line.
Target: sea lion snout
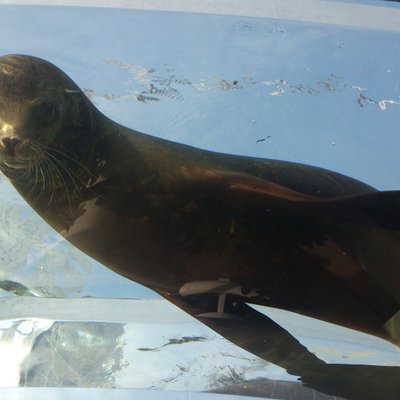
10	144
8	139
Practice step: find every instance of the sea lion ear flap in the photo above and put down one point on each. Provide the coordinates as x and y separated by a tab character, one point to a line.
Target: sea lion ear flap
72	91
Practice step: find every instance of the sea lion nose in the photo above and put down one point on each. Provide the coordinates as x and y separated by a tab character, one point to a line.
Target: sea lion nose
10	143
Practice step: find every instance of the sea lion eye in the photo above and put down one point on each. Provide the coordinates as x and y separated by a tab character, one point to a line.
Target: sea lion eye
47	110
41	114
44	111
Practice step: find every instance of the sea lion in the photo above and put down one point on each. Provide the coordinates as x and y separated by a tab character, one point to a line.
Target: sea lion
210	232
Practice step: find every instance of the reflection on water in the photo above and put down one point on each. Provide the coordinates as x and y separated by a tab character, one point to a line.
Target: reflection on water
75	355
149	84
174	353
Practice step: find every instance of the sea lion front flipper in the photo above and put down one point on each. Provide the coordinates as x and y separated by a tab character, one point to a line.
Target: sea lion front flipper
253	331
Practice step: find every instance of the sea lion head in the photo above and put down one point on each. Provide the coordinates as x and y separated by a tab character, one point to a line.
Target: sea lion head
41	111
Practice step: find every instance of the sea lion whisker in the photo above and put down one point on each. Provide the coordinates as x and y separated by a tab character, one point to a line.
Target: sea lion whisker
62	182
55	170
52	177
32	167
68	171
40	175
43	180
40	180
48	170
70	158
66	167
56	175
34	171
60	165
29	170
34	164
3	165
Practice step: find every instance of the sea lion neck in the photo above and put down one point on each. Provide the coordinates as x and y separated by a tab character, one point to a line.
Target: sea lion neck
136	156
